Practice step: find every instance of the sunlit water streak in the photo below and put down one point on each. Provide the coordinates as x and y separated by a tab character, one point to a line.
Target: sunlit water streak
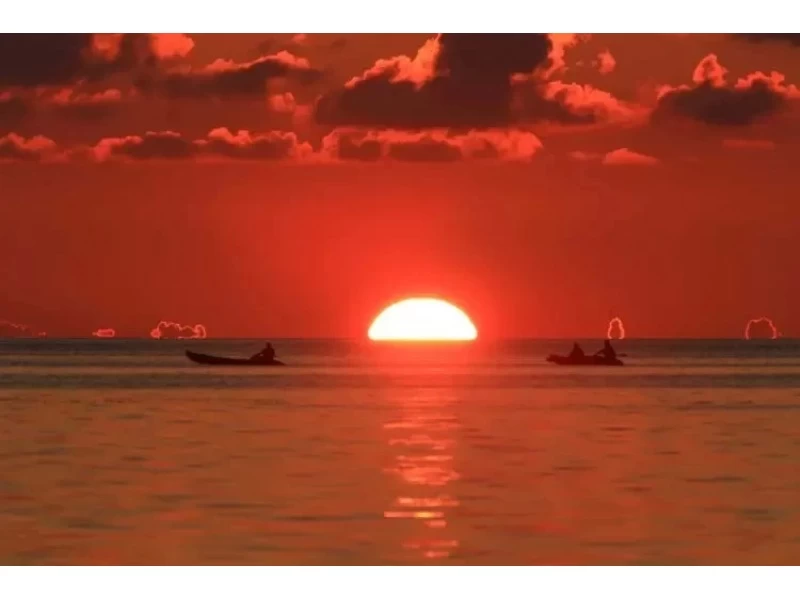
115	451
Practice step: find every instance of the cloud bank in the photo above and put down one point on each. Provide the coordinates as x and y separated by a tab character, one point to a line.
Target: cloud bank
175	330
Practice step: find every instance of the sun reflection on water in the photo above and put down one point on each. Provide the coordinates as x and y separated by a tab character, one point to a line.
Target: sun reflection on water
423	437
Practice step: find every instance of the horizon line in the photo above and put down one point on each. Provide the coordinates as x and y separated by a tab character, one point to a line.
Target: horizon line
359	338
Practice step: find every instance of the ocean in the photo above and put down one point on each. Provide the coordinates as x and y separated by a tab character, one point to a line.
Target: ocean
124	452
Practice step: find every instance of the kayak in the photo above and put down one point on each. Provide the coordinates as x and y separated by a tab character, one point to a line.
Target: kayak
586	360
213	360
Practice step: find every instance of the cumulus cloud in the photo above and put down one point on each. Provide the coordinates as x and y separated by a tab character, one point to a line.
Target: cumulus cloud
762	327
577	103
104	333
436	145
418	70
618	157
275	145
283	103
469	81
159	46
172	45
14	147
616	329
709	70
535	102
175	330
226	78
624	156
219	143
582	156
454	80
432	145
560	42
286	104
710	99
606	63
299	39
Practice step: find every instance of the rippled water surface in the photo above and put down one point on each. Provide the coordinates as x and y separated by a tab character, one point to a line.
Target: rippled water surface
123	452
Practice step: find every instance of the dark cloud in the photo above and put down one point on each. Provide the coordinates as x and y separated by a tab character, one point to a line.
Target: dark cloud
455	80
466	81
352	146
478	57
721	105
424	150
711	100
162	145
86	105
68	101
381	102
13	108
219	143
225	78
133	50
791	38
43	59
32	60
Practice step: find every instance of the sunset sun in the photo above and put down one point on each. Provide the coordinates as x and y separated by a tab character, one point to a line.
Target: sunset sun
422	319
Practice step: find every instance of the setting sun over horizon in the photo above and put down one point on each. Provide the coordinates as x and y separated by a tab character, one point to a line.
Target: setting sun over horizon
335	299
422	319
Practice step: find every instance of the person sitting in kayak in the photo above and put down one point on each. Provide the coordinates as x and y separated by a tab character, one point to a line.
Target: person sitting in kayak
577	352
266	354
607	351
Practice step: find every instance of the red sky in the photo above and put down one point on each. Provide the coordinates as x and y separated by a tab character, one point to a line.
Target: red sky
265	185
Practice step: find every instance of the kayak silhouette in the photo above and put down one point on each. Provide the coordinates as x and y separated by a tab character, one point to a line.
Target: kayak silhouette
582	360
605	356
214	360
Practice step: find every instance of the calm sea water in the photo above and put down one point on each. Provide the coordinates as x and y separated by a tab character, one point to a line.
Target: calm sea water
123	452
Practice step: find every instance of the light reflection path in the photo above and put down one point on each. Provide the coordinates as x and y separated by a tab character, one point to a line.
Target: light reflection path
423	438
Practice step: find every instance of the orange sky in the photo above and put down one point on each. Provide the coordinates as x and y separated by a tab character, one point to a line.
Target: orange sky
583	190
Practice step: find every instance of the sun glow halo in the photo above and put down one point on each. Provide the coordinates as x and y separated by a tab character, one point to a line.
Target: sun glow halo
422	319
